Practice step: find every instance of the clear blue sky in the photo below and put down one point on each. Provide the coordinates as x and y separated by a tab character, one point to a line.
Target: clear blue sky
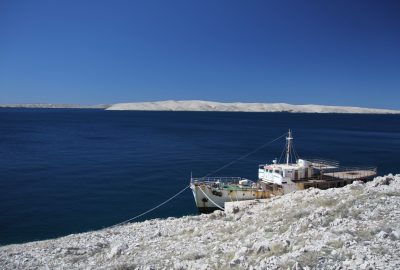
300	52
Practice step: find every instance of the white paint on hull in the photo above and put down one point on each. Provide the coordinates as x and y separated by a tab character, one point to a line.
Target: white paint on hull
219	196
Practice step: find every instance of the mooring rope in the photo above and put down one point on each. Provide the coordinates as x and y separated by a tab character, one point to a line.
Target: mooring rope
246	155
150	210
213	172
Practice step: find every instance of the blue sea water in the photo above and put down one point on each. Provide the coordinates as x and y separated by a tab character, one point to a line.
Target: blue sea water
68	171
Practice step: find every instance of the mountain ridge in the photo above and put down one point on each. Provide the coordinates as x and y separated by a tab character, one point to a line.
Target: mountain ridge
200	105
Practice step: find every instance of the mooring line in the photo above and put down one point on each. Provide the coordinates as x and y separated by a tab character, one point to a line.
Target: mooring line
217	170
150	210
246	155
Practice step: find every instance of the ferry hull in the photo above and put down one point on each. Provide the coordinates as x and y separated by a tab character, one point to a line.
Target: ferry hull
209	199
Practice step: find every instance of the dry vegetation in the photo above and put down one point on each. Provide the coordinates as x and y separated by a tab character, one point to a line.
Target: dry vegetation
354	227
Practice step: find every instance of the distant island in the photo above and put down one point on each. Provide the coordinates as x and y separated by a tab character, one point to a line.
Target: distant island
199	105
209	106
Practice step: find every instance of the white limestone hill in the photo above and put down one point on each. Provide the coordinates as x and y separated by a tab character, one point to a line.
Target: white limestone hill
353	227
199	105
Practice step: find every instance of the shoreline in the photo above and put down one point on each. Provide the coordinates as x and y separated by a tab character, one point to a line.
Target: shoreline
355	226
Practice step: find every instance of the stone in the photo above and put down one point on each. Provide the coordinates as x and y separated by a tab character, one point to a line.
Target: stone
270	234
116	250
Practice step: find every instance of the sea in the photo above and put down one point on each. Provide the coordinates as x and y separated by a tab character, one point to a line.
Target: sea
66	171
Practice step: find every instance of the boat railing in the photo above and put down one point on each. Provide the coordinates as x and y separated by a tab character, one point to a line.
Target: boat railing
210	180
323	163
357	168
351	172
318	163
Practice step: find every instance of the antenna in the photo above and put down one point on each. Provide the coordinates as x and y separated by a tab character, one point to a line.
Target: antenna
289	139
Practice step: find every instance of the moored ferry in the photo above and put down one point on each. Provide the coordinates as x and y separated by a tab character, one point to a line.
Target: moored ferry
211	193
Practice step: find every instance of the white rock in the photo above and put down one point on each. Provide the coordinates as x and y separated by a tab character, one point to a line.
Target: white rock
382	234
116	250
395	235
271	234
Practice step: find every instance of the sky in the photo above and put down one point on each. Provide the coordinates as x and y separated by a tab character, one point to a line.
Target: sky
102	52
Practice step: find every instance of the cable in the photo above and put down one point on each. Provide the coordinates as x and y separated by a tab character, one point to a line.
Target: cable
148	211
244	156
295	153
217	170
280	158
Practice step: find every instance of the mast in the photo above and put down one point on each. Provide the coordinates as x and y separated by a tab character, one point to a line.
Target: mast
289	139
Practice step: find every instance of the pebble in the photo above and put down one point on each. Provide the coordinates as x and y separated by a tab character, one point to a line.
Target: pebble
262	235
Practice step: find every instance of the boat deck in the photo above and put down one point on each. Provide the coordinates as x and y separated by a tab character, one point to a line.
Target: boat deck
230	187
354	174
236	187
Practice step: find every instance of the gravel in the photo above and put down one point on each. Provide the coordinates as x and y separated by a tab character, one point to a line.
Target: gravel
353	227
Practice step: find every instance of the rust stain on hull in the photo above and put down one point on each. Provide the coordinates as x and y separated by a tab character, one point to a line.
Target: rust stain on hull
260	194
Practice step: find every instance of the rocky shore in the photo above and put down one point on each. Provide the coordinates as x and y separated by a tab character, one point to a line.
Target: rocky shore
354	227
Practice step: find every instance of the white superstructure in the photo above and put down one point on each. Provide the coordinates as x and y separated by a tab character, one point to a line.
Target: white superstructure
284	173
